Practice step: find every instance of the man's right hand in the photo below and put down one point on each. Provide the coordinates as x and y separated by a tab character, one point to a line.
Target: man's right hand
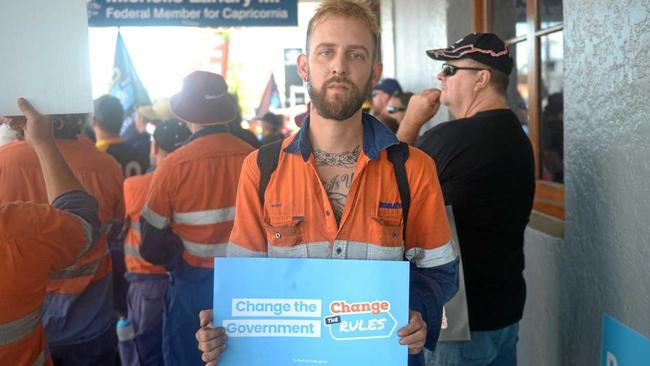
212	341
37	127
422	107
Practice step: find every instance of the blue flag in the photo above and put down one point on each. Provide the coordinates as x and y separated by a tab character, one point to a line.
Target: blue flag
127	86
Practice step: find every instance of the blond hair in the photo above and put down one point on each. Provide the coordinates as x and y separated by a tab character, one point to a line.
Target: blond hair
356	9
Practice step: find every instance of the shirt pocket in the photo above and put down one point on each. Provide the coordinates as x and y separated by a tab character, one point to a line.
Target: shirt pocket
387	238
284	235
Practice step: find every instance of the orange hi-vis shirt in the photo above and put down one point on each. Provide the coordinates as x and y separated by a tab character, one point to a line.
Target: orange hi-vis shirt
297	219
21	179
35	241
135	193
194	190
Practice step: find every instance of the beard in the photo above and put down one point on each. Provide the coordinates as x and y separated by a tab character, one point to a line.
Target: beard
342	105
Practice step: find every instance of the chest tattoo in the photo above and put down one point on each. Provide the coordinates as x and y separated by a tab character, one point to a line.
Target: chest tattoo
336	171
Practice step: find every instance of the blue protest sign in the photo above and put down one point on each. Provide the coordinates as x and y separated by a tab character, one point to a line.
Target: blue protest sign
311	311
195	13
622	346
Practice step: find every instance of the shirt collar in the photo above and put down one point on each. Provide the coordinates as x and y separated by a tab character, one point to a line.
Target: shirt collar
206	131
103	145
376	137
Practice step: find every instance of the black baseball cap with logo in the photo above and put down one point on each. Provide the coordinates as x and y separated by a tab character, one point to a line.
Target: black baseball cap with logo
486	48
171	134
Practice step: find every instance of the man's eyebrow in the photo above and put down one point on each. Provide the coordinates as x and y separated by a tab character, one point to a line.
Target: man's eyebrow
354	46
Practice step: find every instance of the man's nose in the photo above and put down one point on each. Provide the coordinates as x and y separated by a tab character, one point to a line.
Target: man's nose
340	65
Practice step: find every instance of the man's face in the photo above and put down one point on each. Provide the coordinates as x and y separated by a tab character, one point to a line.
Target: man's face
395	109
458	89
379	102
340	68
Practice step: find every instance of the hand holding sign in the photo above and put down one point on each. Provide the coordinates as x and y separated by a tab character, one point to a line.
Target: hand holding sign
414	334
212	341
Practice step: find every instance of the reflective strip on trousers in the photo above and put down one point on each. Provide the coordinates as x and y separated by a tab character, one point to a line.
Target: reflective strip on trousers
205	250
18	329
206	217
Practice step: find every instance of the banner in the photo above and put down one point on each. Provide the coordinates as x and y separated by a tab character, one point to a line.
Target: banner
622	346
194	13
311	311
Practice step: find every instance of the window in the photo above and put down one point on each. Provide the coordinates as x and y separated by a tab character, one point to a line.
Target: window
534	32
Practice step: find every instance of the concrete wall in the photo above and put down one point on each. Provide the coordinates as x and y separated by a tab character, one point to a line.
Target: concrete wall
606	255
603	265
419	25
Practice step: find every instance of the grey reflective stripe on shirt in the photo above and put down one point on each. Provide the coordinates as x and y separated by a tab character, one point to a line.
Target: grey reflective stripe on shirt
132	251
342	249
236	250
205	217
428	258
158	221
74	271
205	250
135	226
105	228
16	330
319	249
42	358
87	234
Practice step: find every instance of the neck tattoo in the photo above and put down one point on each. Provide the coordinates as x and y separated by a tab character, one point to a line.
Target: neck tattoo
345	159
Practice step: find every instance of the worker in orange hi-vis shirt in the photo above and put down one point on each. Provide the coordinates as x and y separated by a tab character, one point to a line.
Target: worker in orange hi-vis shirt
78	313
338	190
147	282
190	208
36	240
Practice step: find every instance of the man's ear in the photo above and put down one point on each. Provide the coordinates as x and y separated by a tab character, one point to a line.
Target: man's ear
483	80
303	68
377	69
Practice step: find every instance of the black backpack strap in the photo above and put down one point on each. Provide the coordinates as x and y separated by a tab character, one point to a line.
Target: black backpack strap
267	162
398	154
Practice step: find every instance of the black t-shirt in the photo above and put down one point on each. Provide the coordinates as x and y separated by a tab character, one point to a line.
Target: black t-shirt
486	171
132	161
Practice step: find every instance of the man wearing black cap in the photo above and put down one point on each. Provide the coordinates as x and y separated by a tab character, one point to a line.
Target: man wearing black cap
381	95
271	128
485	166
147	282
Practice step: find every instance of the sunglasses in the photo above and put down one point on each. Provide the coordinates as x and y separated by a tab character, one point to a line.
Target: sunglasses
390	109
450	70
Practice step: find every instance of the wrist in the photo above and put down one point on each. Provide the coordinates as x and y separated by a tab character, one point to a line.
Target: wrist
44	146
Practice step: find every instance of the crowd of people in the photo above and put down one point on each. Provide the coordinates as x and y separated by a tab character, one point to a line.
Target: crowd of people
102	219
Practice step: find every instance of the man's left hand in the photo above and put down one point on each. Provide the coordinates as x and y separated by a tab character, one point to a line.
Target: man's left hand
414	334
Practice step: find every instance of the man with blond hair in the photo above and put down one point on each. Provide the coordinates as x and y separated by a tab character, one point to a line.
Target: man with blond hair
336	188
